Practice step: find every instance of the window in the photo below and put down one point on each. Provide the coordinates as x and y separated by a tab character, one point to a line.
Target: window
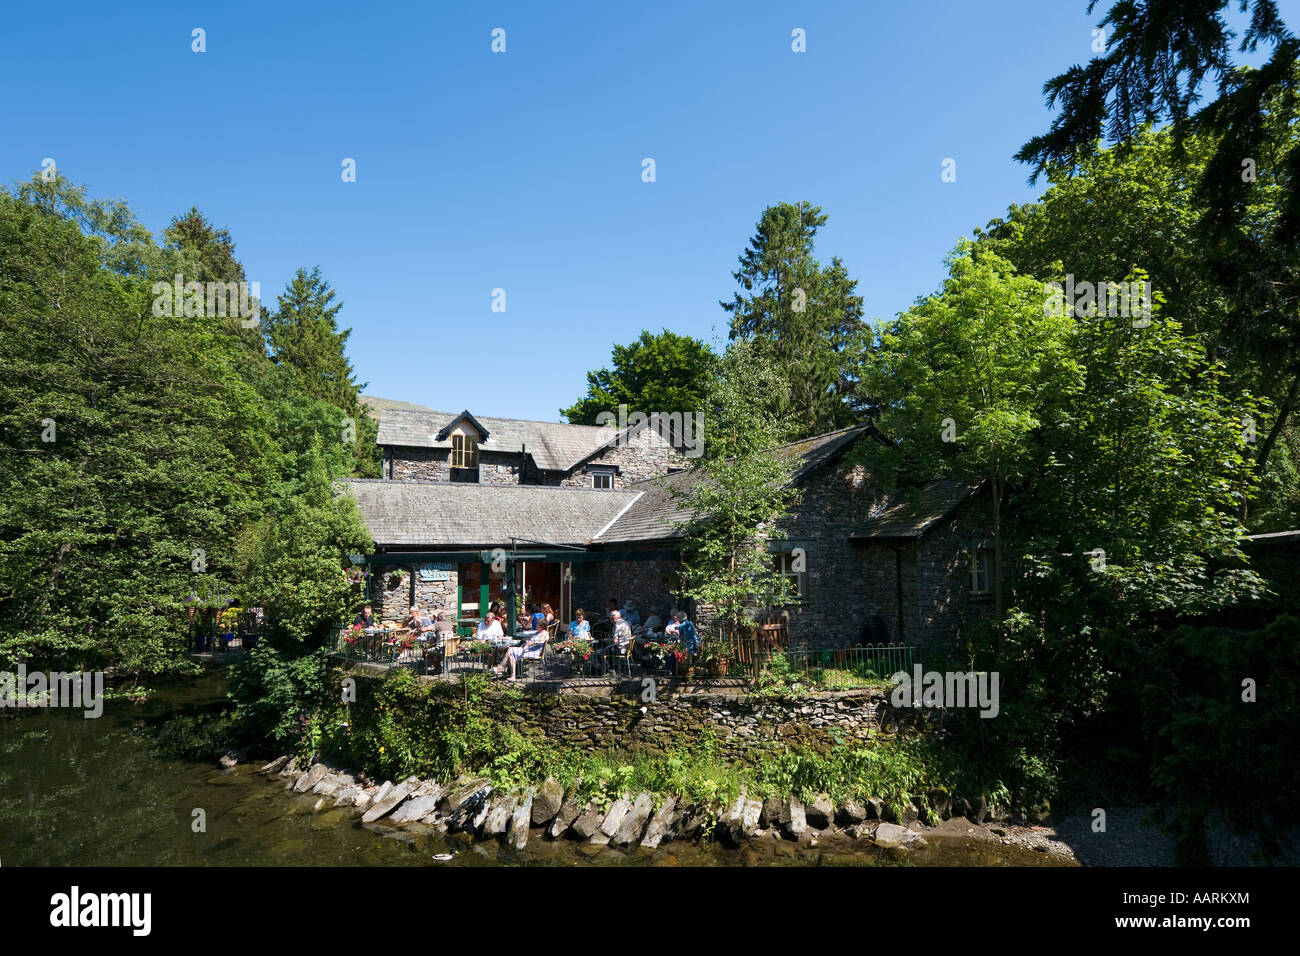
793	567
464	458
602	478
981	571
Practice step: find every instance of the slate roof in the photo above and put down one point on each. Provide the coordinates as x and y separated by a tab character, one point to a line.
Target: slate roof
913	514
554	446
654	515
444	513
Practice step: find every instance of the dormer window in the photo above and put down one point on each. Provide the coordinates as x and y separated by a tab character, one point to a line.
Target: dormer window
464	457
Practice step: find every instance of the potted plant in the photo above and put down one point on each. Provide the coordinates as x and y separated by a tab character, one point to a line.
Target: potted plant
715	655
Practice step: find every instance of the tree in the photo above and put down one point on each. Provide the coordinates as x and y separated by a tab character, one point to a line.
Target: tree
303	334
807	317
662	372
964	376
1159	56
739	490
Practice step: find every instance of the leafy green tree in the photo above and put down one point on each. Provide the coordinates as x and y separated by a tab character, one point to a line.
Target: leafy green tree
662	372
808	317
964	376
129	442
303	334
1159	57
738	491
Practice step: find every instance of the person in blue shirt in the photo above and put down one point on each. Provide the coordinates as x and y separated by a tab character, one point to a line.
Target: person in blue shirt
685	630
580	629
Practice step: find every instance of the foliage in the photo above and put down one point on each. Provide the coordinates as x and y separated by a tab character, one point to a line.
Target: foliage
804	316
662	372
276	692
741	489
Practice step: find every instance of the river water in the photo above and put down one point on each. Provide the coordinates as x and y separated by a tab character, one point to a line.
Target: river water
78	792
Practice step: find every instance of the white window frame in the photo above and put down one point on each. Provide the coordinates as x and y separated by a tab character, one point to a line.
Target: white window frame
800	578
981	564
598	472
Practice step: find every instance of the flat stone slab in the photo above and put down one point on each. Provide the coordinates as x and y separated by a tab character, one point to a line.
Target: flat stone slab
310	778
614	818
891	834
547	802
518	836
502	808
793	821
587	823
569	811
415	808
633	825
382	807
657	828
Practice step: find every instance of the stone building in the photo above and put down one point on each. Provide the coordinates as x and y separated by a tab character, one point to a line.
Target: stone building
587	515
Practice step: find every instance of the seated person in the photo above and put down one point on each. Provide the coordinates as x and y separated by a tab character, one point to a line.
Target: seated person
653	624
536	619
489	629
631	615
621	636
609	611
685	630
413	620
534	646
549	613
580	629
366	618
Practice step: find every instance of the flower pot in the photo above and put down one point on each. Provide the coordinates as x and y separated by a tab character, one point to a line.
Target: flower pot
722	668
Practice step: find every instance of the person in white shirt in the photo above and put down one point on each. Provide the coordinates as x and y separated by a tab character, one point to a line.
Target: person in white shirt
489	629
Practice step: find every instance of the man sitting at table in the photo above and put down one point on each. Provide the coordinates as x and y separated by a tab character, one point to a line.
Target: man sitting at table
366	618
489	629
621	636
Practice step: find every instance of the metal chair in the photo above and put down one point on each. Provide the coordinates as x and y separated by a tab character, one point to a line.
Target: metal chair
624	654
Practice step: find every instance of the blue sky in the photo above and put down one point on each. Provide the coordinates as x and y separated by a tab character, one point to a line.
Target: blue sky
522	170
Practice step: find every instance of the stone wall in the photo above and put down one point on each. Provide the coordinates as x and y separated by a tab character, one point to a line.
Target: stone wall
744	727
416	464
645	455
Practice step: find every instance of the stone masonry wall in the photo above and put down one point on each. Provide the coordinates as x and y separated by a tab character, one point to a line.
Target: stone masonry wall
650	583
646	455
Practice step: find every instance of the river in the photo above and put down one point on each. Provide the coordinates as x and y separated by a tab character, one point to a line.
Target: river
79	792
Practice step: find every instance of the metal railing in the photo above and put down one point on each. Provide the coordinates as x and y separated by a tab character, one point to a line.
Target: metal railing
846	667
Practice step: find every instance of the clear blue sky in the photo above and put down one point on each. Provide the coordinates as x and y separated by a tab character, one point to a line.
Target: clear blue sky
522	170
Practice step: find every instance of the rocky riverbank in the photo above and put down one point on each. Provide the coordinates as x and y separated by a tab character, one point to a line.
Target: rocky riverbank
472	809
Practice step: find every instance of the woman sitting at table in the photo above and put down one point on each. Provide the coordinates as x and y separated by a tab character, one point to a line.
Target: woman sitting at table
580	629
533	648
413	621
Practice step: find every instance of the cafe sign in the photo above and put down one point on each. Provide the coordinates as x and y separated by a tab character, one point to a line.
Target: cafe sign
435	572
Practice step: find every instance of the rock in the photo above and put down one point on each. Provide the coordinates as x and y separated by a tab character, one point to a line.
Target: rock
228	759
469	816
979	812
290	768
693	822
771	814
415	808
547	802
362	799
275	765
614	818
588	822
327	785
819	814
961	807
379	808
793	820
745	822
875	809
346	795
568	812
851	812
310	778
657	828
908	814
940	802
382	792
519	823
891	834
456	794
633	825
498	817
318	805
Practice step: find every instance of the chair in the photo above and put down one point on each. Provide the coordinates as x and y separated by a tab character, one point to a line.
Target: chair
625	654
527	664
